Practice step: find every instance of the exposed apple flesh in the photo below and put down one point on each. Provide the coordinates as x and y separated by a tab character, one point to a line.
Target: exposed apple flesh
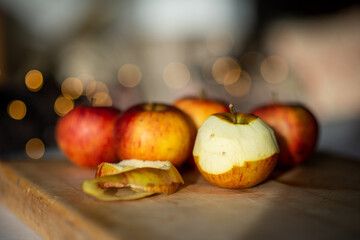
143	177
93	187
233	145
235	150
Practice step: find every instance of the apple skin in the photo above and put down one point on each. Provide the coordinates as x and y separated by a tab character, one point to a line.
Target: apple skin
296	130
235	150
199	109
154	131
86	135
249	175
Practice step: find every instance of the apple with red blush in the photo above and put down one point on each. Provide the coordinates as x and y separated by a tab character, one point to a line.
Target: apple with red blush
154	131
296	129
86	135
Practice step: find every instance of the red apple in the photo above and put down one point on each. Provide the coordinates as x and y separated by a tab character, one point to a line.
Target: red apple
296	130
86	135
154	132
199	109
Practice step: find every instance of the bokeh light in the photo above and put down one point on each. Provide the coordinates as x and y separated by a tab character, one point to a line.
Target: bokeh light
129	75
72	88
16	109
206	71
176	75
250	61
35	148
241	87
63	105
226	70
101	99
219	43
91	88
86	79
274	69
94	87
34	80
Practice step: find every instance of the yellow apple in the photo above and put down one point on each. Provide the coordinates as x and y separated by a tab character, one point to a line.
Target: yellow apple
235	150
199	109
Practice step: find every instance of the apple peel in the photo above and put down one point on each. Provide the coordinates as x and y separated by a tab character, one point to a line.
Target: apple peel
144	178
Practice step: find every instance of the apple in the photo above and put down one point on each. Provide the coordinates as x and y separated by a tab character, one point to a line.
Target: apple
86	135
154	131
296	130
199	109
235	150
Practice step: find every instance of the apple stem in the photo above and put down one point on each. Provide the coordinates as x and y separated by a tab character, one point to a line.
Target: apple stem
231	107
152	106
275	96
202	94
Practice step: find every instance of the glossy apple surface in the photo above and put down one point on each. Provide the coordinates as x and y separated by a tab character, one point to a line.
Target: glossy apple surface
154	132
235	151
86	135
199	109
296	129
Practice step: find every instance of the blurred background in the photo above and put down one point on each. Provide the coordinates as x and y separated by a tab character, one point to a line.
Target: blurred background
55	55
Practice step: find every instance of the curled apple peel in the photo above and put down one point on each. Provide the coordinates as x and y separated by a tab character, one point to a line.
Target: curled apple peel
144	178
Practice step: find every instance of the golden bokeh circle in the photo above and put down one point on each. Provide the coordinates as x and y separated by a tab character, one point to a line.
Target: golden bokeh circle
35	148
16	109
34	80
72	88
102	99
274	69
129	75
226	70
241	87
176	75
63	105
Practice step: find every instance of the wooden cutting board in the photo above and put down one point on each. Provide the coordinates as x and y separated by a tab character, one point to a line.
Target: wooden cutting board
317	200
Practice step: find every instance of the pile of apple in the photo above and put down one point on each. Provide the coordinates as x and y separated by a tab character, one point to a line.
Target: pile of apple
91	135
230	149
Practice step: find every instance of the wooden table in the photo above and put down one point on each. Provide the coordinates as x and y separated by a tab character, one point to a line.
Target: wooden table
317	200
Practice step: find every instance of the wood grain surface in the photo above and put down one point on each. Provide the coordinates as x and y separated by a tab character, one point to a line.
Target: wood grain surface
317	200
